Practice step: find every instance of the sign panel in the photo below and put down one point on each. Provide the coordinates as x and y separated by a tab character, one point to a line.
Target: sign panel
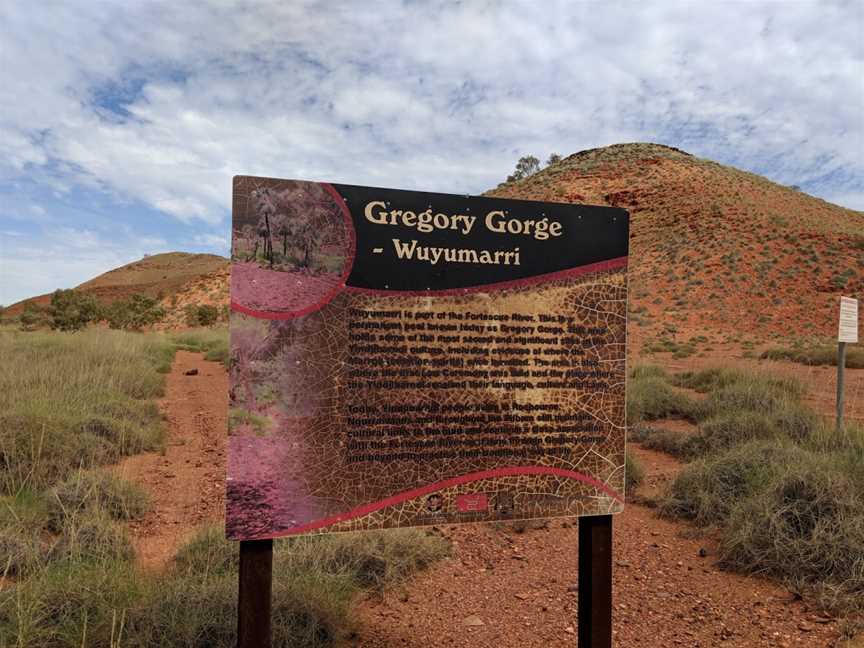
401	358
848	320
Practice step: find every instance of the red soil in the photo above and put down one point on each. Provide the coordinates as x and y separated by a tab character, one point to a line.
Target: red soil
508	590
186	483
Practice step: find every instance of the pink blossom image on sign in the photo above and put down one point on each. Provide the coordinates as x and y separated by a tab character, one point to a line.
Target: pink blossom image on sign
292	247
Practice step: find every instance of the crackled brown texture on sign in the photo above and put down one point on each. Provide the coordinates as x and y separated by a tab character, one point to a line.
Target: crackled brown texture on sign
381	410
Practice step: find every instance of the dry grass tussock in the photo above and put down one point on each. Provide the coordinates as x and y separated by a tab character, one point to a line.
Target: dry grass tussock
780	485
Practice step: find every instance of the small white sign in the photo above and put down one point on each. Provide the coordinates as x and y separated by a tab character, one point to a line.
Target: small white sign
848	320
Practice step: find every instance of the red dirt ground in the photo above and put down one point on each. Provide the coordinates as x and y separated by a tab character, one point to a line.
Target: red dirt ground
186	484
520	586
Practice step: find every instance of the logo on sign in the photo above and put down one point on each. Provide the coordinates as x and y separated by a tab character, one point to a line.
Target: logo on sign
472	502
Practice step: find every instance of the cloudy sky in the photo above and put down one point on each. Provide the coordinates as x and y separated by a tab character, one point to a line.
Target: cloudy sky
122	122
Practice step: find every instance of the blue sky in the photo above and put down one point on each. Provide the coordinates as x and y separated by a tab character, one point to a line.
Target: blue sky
123	122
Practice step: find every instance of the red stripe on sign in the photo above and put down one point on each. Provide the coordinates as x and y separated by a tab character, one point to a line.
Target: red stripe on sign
510	471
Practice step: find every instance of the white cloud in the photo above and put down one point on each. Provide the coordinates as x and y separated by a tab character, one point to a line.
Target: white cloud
419	95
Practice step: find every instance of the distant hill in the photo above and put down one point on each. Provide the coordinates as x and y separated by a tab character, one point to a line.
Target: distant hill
714	248
174	277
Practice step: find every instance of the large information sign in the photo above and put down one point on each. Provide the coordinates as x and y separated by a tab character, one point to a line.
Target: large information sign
401	358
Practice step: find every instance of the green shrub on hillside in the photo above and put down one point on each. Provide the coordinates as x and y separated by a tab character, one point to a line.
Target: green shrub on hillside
33	317
634	473
201	314
79	601
71	603
71	310
133	313
91	536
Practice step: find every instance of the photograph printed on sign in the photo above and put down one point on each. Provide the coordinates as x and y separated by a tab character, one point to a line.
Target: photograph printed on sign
404	358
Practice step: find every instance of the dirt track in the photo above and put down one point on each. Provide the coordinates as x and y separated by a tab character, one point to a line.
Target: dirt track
187	484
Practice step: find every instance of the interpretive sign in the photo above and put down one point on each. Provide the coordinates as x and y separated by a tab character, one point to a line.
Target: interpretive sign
848	330
401	358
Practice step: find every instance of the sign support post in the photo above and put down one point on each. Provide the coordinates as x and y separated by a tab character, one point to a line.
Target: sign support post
594	622
841	366
254	598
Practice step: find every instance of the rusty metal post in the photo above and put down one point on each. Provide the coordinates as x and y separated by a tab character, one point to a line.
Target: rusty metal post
255	594
594	623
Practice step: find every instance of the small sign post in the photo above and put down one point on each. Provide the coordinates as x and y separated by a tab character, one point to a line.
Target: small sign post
848	333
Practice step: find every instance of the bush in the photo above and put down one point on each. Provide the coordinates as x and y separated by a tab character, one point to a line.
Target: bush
806	528
184	610
678	444
371	560
71	604
133	313
314	580
652	397
201	314
71	310
752	392
707	490
33	317
91	492
20	550
707	379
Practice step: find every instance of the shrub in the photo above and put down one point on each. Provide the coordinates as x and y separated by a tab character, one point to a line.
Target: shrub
652	398
185	610
806	528
826	355
33	317
71	604
707	379
238	417
707	490
752	392
20	550
372	560
71	310
678	444
133	313
314	581
201	314
212	342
